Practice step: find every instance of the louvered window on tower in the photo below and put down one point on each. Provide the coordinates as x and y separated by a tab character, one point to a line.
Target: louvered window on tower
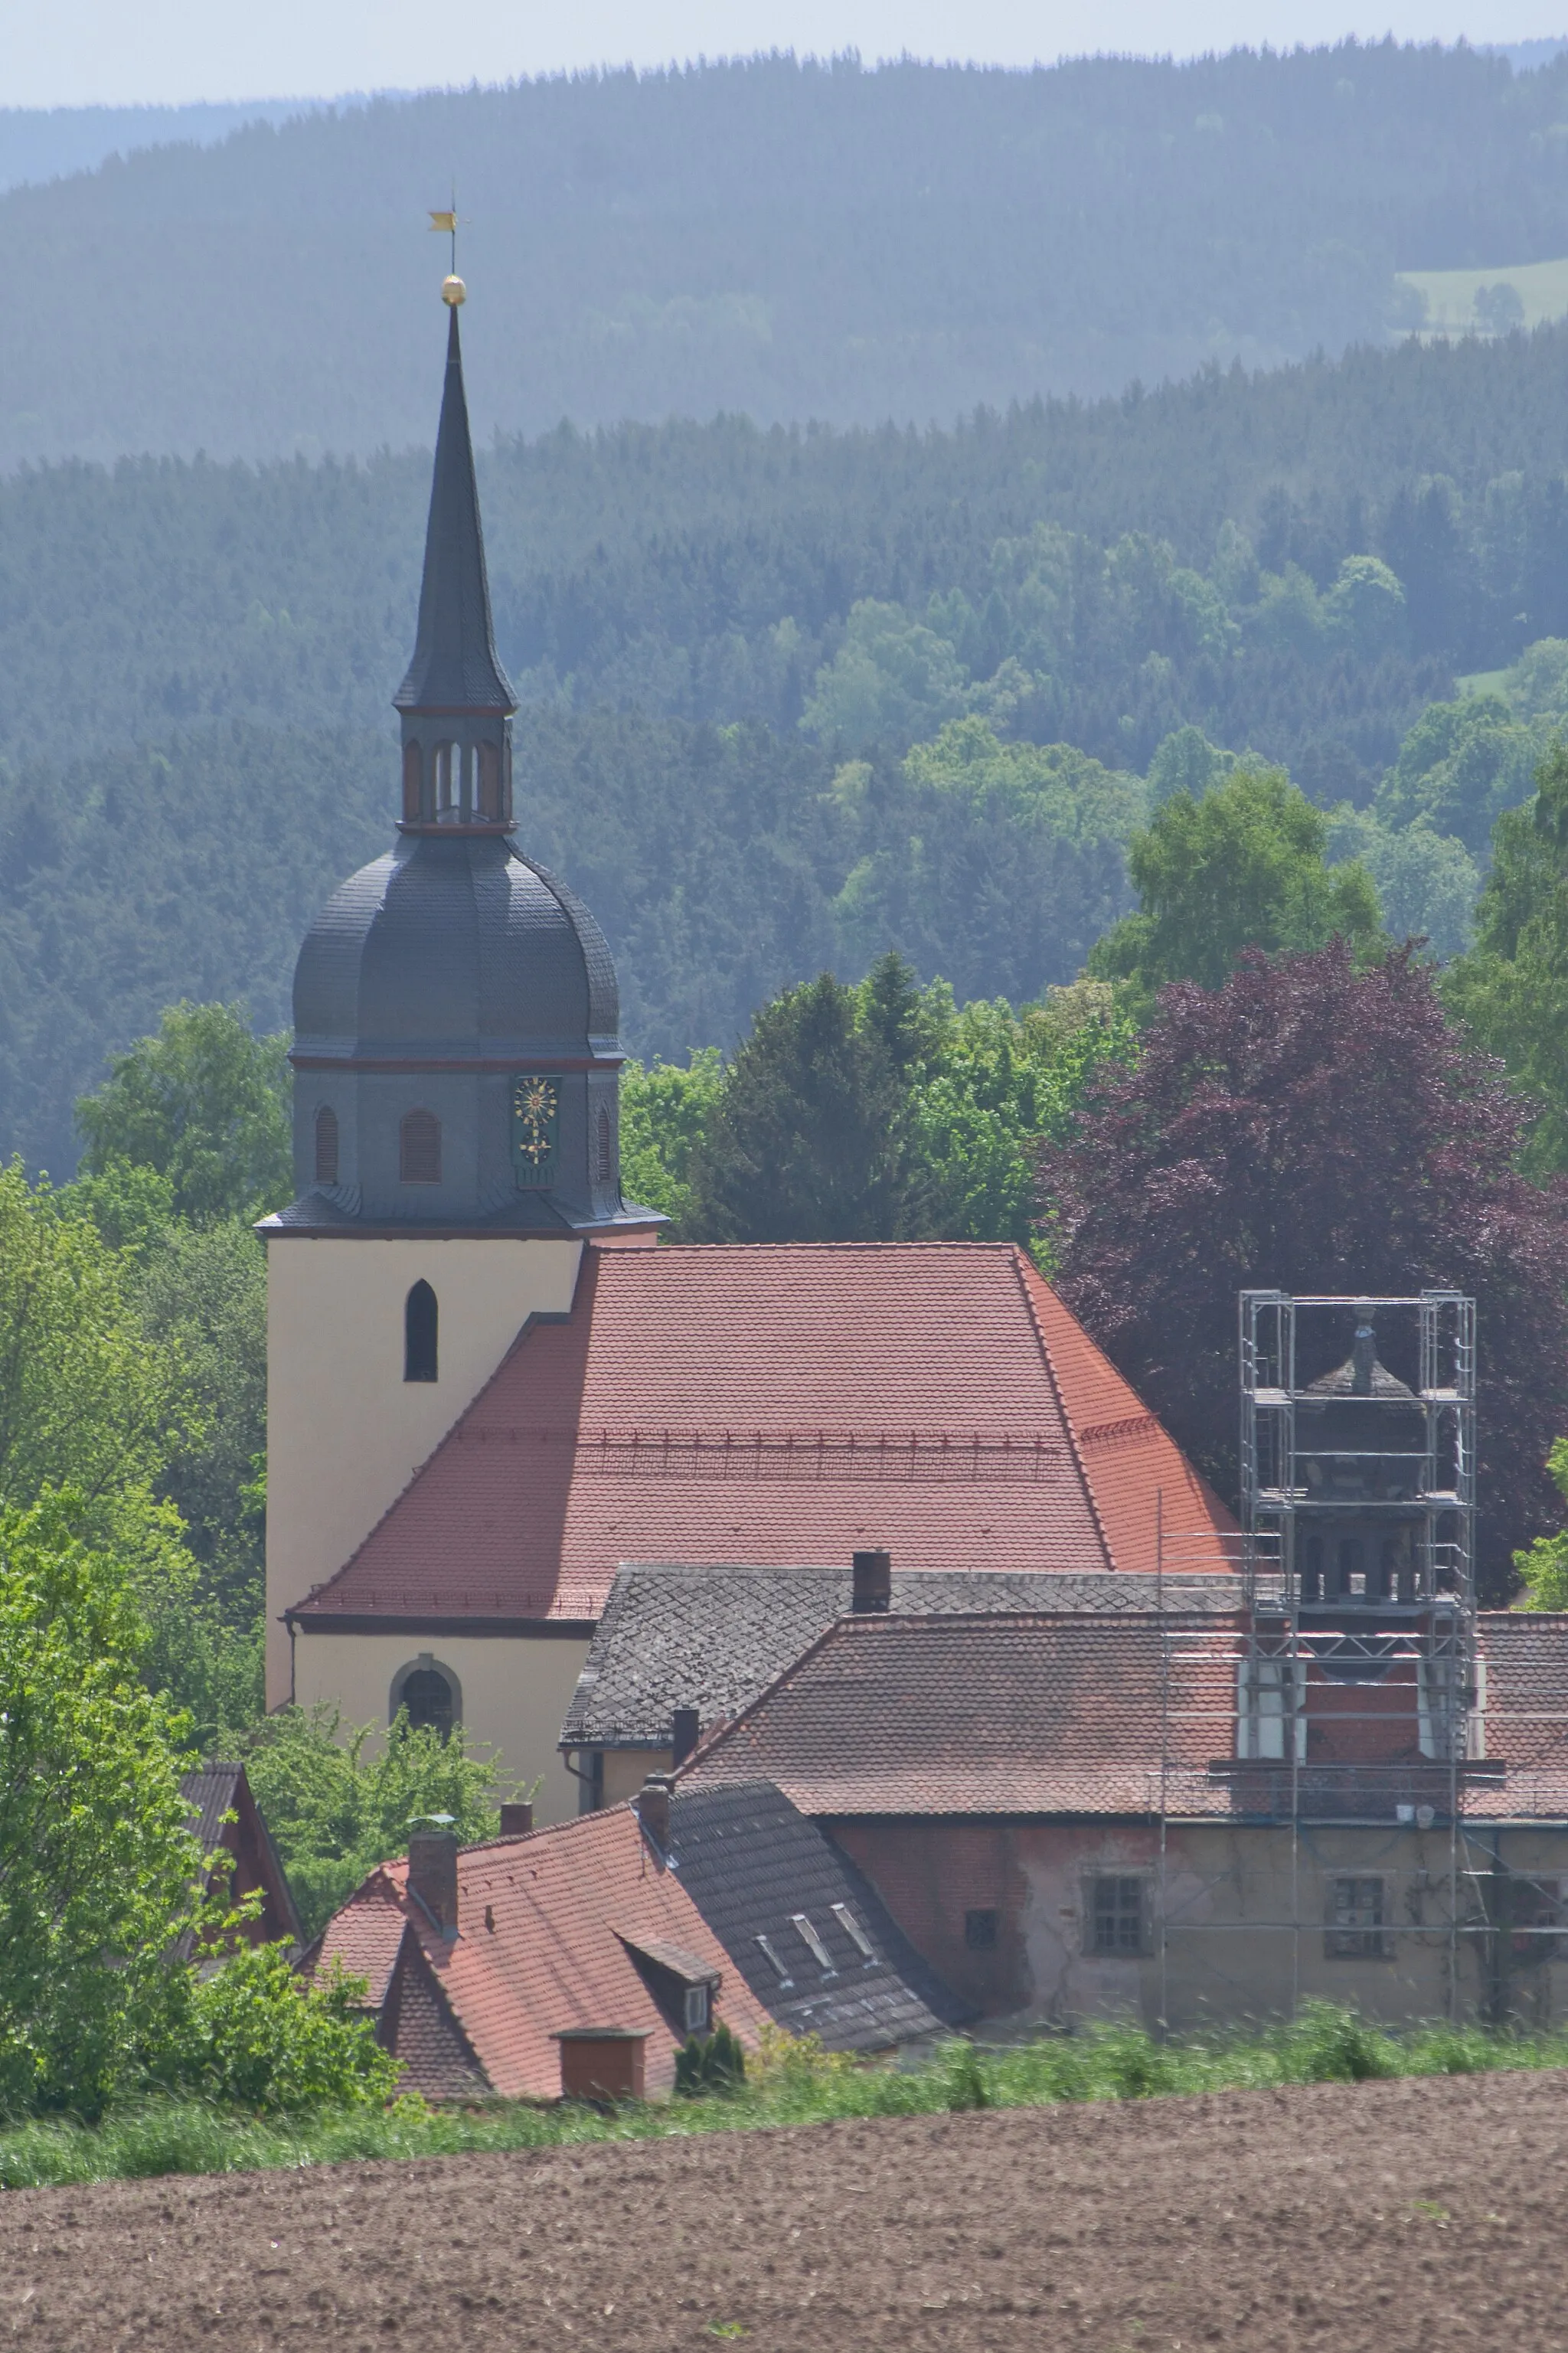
607	1158
326	1145
419	1148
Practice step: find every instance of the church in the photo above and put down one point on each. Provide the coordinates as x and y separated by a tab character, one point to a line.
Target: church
490	1385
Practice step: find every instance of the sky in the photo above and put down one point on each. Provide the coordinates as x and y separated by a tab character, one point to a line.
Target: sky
172	52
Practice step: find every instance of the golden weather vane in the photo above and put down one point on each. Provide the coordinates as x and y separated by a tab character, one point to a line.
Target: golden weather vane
445	224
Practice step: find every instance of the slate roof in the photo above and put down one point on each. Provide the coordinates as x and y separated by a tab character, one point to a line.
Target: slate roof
754	1866
215	1792
988	1714
455	665
713	1637
775	1404
551	1926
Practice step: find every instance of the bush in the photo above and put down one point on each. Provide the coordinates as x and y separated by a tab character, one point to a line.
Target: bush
254	2037
713	2062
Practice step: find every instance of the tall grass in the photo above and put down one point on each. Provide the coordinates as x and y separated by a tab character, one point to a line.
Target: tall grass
794	2083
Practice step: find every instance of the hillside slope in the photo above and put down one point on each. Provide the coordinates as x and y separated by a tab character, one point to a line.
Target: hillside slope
786	239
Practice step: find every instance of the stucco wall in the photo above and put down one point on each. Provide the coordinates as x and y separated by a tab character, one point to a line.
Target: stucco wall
345	1431
1232	1893
515	1691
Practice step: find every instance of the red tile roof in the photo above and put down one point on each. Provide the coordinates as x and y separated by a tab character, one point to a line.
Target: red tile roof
779	1404
551	1957
1086	1714
989	1716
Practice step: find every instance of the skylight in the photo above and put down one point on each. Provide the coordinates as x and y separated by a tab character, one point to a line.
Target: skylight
813	1943
771	1956
853	1930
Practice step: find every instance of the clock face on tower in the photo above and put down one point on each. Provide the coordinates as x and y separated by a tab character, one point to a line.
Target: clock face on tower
535	1132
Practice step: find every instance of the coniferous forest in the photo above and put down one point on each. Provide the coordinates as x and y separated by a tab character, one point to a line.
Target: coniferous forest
790	696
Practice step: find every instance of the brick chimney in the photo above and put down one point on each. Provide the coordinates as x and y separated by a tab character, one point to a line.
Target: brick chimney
516	1818
685	1730
433	1871
652	1802
872	1589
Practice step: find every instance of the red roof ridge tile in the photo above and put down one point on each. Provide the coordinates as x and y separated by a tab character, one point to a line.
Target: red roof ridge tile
1024	1268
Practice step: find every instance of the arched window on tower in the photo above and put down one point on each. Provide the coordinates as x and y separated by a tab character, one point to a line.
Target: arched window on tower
606	1155
326	1145
419	1148
447	777
490	783
420	1318
413	778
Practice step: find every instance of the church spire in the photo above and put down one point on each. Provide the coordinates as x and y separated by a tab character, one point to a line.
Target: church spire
456	701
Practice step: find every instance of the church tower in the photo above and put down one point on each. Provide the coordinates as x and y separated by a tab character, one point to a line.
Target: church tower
456	1095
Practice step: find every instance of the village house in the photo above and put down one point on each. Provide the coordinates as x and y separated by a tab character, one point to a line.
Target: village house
580	1958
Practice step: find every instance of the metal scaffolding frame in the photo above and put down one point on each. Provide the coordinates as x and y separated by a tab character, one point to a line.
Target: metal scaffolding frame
1410	1624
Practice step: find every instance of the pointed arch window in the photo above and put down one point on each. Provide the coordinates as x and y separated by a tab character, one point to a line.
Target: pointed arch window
421	1318
606	1153
326	1145
419	1148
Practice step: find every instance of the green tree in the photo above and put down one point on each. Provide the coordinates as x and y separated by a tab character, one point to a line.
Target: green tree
1241	867
998	1083
97	1859
891	676
805	1140
206	1104
252	2036
87	1399
1543	1565
201	1295
1460	767
1512	993
338	1800
663	1112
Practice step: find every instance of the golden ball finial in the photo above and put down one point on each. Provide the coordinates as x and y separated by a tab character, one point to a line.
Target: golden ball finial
454	292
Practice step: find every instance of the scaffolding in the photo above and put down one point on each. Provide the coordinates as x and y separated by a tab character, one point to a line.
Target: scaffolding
1342	1694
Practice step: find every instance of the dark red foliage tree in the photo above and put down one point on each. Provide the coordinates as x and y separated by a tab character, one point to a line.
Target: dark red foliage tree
1313	1127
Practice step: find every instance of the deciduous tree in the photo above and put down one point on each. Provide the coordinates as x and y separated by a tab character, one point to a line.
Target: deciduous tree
1314	1127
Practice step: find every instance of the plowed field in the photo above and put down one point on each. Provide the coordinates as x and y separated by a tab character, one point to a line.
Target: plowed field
1428	2214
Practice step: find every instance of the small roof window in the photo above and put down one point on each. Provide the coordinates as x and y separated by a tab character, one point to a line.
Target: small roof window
854	1930
770	1954
813	1943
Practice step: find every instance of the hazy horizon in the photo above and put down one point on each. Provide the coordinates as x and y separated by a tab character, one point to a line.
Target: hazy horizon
80	54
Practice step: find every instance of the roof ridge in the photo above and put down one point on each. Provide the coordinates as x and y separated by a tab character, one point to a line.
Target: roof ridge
1024	1270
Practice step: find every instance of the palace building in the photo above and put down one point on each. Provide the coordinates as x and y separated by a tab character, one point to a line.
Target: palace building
489	1386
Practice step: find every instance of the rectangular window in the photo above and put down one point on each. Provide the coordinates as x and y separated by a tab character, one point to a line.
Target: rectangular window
854	1930
1356	1921
770	1954
980	1931
1116	1915
813	1944
1535	1916
696	2009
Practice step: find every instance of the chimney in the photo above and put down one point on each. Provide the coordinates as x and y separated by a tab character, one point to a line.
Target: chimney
433	1871
652	1802
516	1818
684	1733
873	1582
1363	1356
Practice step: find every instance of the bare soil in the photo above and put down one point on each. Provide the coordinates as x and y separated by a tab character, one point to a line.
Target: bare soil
1390	2215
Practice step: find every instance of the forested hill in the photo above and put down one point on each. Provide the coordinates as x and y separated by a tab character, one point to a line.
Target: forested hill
783	239
727	639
